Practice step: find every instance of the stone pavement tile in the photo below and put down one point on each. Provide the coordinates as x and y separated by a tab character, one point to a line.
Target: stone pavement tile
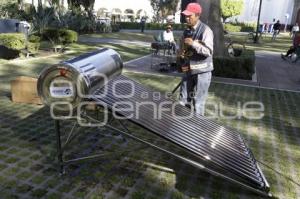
274	72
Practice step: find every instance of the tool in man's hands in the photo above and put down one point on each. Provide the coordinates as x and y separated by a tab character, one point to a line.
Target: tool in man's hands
183	59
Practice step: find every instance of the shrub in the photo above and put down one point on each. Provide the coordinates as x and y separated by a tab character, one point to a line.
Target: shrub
115	27
240	27
68	36
33	44
34	39
79	22
241	67
51	34
248	27
60	36
232	28
103	28
33	47
129	25
15	41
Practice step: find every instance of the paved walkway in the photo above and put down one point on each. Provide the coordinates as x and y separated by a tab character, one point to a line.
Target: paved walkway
274	72
271	70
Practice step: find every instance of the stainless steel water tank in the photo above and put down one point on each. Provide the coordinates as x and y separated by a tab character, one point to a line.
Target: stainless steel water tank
69	82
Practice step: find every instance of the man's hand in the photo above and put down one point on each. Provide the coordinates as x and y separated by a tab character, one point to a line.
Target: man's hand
185	69
188	41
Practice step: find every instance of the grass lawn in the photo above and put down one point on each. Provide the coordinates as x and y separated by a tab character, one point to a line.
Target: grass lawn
27	147
147	37
281	44
131	36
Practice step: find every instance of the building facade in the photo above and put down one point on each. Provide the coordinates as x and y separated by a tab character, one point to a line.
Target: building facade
282	10
296	12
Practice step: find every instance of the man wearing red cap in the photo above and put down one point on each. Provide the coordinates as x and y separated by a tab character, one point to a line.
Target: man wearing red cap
199	47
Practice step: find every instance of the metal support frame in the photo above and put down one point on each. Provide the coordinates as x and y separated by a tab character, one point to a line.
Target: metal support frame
126	132
71	136
60	150
161	60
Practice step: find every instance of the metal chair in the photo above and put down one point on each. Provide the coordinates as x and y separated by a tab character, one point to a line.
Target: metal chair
160	51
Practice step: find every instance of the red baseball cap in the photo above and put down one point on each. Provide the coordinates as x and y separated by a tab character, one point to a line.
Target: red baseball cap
192	8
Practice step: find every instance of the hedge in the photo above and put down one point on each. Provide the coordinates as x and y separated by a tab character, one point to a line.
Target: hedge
15	41
240	27
34	39
115	27
33	47
69	36
232	28
60	36
241	67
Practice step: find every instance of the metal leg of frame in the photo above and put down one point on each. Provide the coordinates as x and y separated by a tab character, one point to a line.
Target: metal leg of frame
59	148
176	88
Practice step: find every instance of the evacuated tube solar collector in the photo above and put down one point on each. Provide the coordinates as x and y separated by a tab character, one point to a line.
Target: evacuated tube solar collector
219	150
73	80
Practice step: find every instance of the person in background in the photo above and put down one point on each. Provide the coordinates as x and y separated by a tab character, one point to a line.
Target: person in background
272	25
276	29
169	37
295	29
197	49
143	23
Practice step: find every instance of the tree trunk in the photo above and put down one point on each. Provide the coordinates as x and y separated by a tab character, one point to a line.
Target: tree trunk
211	15
214	22
40	3
21	4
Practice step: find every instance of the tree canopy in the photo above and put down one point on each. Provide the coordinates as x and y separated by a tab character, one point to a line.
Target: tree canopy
230	8
162	8
87	4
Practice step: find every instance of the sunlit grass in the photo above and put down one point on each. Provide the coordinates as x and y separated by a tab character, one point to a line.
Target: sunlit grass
148	37
281	44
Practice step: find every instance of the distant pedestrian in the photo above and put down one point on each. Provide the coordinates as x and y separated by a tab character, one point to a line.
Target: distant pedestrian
276	29
143	23
272	25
